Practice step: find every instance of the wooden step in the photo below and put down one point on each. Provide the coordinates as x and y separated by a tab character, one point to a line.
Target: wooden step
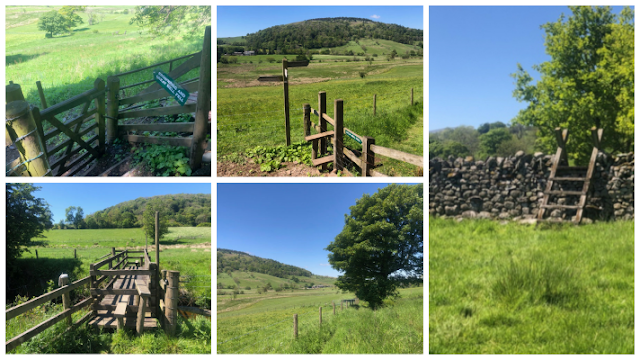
560	192
320	136
111	322
561	206
572	168
323	160
568	179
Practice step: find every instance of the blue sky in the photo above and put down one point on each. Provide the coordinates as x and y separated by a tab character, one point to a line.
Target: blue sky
242	20
472	52
94	197
289	223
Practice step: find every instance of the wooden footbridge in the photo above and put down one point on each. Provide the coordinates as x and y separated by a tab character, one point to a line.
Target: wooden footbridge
126	291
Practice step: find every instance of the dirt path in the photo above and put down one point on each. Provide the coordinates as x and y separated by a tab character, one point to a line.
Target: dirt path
249	168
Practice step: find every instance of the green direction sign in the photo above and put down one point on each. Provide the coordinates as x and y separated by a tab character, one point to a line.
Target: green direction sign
171	86
353	136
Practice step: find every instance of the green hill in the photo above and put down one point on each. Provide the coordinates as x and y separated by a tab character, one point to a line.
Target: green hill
236	268
183	210
338	34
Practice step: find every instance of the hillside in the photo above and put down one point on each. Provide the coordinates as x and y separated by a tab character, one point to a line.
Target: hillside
244	270
183	210
323	34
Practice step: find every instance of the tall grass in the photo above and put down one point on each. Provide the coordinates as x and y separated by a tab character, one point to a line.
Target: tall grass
521	289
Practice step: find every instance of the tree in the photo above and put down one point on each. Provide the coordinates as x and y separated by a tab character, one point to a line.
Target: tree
168	20
52	23
27	218
79	218
70	214
149	219
71	18
588	82
444	149
381	243
490	141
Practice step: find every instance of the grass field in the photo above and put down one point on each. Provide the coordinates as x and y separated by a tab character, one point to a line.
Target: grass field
189	252
69	64
264	325
250	114
515	289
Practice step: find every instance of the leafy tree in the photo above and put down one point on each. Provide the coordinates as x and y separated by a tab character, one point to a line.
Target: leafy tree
588	82
149	219
490	141
381	243
167	20
444	149
78	218
484	128
27	218
70	15
52	23
70	214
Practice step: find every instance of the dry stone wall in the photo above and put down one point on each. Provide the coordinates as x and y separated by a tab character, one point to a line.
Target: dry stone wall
512	188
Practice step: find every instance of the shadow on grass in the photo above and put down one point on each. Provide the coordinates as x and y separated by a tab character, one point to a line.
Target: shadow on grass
29	277
20	58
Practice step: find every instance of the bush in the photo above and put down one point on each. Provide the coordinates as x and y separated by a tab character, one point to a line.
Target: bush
271	60
206	224
362	74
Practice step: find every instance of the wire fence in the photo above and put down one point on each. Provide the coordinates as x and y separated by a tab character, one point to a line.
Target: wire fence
244	342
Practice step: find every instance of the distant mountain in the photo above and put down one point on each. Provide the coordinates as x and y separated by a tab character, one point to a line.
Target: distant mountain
324	33
183	209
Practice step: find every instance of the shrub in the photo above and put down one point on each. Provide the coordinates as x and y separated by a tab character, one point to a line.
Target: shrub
271	60
206	224
363	74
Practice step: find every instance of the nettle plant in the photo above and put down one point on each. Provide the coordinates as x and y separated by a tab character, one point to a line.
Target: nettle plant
165	160
271	158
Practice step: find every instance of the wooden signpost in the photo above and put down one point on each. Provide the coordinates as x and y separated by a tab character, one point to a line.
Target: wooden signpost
171	86
285	80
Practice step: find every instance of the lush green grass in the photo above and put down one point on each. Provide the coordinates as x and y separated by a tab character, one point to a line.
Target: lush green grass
520	289
396	328
254	280
252	116
69	64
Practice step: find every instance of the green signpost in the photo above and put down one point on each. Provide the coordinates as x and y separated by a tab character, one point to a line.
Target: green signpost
171	86
353	136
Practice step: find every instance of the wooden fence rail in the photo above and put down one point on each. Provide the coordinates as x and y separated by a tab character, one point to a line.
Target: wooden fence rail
366	162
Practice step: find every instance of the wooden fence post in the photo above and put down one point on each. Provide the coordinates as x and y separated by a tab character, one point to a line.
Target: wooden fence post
338	134
142	305
99	85
75	254
171	303
411	96
154	301
43	100
307	119
295	326
24	134
63	280
203	104
13	93
320	315
368	156
374	104
322	108
285	81
157	238
92	287
36	254
112	108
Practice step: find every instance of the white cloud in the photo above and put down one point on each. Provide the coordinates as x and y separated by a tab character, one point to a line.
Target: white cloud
375	16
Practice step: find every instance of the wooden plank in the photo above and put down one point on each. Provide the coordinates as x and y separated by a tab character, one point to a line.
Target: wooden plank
398	155
123	272
73	136
270	78
319	136
176	127
102	292
56	109
161	111
82	165
325	117
322	160
143	289
349	154
13	343
561	192
567	178
553	206
71	154
121	310
554	169
182	69
173	141
79	119
572	168
158	94
195	310
24	307
107	260
377	174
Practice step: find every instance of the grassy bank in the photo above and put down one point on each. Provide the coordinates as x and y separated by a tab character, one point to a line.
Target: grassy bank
397	328
520	289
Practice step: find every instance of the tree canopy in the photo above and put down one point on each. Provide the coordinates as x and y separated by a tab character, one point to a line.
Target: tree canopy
149	219
381	244
589	81
55	22
168	20
231	260
27	218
